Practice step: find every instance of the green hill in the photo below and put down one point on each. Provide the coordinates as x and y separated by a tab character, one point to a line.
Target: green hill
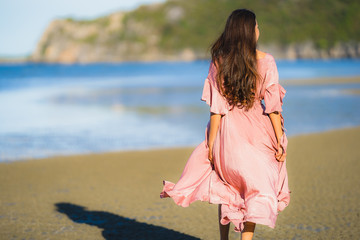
180	29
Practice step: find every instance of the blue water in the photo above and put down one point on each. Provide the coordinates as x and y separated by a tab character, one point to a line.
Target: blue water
55	109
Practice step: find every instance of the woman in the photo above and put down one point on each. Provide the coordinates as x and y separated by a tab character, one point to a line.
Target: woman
241	164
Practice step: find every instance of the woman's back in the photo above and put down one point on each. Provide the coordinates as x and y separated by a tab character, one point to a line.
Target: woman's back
268	87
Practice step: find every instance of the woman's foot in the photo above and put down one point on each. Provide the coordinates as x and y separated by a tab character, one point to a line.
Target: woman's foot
248	232
224	229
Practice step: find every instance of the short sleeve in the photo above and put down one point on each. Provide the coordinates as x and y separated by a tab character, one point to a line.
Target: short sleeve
274	92
211	94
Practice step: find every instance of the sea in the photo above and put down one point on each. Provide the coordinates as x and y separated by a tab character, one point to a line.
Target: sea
65	109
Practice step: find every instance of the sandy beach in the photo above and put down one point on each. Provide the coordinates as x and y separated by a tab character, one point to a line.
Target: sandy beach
116	195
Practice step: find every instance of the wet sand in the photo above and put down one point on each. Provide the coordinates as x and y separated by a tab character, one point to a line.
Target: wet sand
116	195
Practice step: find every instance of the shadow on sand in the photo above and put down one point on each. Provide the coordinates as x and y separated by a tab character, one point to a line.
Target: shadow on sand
117	227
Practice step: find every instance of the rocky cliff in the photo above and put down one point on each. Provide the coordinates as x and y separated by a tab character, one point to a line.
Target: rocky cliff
184	30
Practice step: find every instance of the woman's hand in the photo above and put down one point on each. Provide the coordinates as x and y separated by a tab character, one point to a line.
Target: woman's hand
275	118
210	155
280	154
214	127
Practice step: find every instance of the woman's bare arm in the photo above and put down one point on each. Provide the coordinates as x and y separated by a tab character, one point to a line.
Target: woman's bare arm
214	126
276	122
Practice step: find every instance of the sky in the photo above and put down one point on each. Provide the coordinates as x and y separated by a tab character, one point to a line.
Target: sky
22	22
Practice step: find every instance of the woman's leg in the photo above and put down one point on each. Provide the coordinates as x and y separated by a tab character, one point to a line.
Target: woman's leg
248	232
224	229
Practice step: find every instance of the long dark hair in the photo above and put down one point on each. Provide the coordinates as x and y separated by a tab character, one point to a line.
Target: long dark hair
234	54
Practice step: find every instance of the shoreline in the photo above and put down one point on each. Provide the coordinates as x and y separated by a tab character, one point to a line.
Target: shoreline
27	59
173	148
293	82
104	196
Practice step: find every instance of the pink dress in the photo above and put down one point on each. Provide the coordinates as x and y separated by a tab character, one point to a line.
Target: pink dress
246	179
